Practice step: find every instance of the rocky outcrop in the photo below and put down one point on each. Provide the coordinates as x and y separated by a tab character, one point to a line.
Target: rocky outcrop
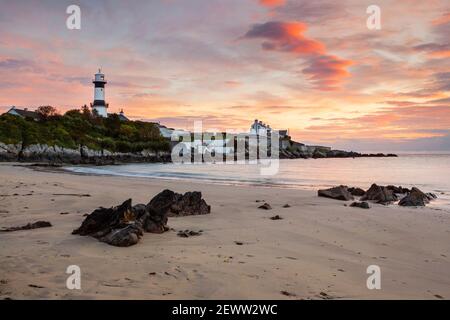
124	225
124	237
9	152
42	153
290	149
319	154
337	193
431	196
379	194
158	211
397	190
355	191
342	154
118	226
188	204
416	198
82	155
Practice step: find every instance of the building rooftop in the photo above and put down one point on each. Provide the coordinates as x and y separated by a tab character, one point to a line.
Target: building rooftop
25	113
121	115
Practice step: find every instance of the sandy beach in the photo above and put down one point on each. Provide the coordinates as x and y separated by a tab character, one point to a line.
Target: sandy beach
320	249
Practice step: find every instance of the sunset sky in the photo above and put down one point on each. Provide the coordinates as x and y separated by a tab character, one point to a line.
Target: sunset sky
310	66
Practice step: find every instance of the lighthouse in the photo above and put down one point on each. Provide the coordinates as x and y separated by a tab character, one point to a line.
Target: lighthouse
99	106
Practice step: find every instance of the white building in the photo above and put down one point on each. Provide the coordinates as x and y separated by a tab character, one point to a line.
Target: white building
260	128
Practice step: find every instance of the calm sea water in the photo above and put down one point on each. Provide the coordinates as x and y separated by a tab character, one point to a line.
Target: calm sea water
430	173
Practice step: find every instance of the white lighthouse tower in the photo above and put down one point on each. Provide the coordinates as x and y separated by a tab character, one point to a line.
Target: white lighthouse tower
99	106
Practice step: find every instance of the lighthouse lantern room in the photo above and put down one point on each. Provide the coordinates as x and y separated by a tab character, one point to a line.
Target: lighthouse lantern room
99	106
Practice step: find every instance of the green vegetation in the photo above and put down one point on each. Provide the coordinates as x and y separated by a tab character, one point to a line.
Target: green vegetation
81	127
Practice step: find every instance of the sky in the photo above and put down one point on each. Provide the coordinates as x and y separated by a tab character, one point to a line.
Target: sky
313	67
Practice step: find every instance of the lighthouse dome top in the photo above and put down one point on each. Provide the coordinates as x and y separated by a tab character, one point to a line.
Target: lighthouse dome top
100	76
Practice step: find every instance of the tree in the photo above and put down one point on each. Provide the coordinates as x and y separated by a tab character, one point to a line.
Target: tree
127	131
46	112
113	125
73	113
87	114
147	131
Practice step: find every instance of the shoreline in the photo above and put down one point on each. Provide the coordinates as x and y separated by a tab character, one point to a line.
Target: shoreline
320	245
442	202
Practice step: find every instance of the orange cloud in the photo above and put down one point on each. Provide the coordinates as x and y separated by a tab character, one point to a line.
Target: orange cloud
232	83
285	36
441	54
272	3
408	122
325	70
444	19
435	50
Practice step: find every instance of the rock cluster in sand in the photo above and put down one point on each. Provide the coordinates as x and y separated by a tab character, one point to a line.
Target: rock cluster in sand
124	225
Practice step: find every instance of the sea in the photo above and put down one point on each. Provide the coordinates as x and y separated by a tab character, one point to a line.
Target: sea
428	172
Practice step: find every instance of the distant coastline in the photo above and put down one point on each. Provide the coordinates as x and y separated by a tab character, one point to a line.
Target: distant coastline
56	155
80	136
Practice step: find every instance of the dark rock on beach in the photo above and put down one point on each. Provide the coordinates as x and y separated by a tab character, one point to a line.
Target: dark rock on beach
416	198
102	220
191	203
337	193
29	226
124	237
363	205
118	226
431	196
188	233
122	226
125	224
277	217
355	191
155	213
265	206
397	190
288	294
379	194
